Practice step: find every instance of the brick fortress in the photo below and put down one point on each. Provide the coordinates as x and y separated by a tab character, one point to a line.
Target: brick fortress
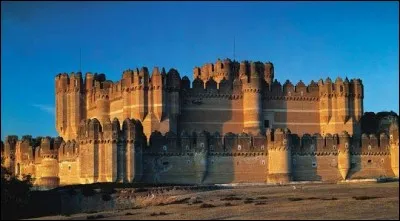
235	124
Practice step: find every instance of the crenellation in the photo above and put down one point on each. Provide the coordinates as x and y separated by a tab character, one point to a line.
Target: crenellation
109	129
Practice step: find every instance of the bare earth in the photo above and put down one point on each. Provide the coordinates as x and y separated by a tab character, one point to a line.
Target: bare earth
311	201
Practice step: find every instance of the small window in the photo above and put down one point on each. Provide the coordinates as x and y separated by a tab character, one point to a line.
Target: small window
262	147
289	93
312	147
69	167
188	162
187	147
266	123
263	162
334	147
211	147
165	148
369	147
301	93
239	147
369	161
165	163
341	88
202	145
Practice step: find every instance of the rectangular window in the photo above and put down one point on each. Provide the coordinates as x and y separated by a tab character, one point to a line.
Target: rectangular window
266	123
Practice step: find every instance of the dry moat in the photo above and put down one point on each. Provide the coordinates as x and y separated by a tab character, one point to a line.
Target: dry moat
292	201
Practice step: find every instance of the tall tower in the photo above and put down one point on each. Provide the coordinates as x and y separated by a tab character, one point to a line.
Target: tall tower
252	104
173	93
62	81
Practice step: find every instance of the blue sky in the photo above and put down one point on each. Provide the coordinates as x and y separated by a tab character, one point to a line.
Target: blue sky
305	41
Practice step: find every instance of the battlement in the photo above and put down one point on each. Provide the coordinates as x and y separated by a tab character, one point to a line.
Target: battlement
221	76
92	130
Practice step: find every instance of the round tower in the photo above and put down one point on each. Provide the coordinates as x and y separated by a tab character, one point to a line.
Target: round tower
394	148
279	156
103	107
344	160
252	103
173	98
49	164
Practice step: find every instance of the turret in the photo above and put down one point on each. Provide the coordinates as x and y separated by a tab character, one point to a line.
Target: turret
127	81
173	88
358	92
394	147
342	99
103	106
269	72
279	156
243	69
252	103
62	81
9	153
49	168
344	158
325	103
90	132
76	103
158	106
227	70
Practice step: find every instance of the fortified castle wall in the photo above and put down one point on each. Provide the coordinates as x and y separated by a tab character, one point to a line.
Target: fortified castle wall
153	129
226	97
108	153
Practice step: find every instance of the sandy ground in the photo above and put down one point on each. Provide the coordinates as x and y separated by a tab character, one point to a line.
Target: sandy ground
311	201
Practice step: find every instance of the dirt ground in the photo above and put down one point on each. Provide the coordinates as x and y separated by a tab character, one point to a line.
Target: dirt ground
305	201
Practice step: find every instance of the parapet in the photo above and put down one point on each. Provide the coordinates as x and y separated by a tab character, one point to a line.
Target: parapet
92	130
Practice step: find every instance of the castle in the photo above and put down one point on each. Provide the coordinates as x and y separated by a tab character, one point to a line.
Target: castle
235	124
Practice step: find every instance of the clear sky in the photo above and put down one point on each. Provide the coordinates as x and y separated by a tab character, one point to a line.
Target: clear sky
305	41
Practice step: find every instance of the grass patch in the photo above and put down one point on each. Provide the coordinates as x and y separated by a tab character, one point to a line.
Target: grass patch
364	197
295	199
95	217
206	205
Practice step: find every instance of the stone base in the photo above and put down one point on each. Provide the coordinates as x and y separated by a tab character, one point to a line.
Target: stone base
278	178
